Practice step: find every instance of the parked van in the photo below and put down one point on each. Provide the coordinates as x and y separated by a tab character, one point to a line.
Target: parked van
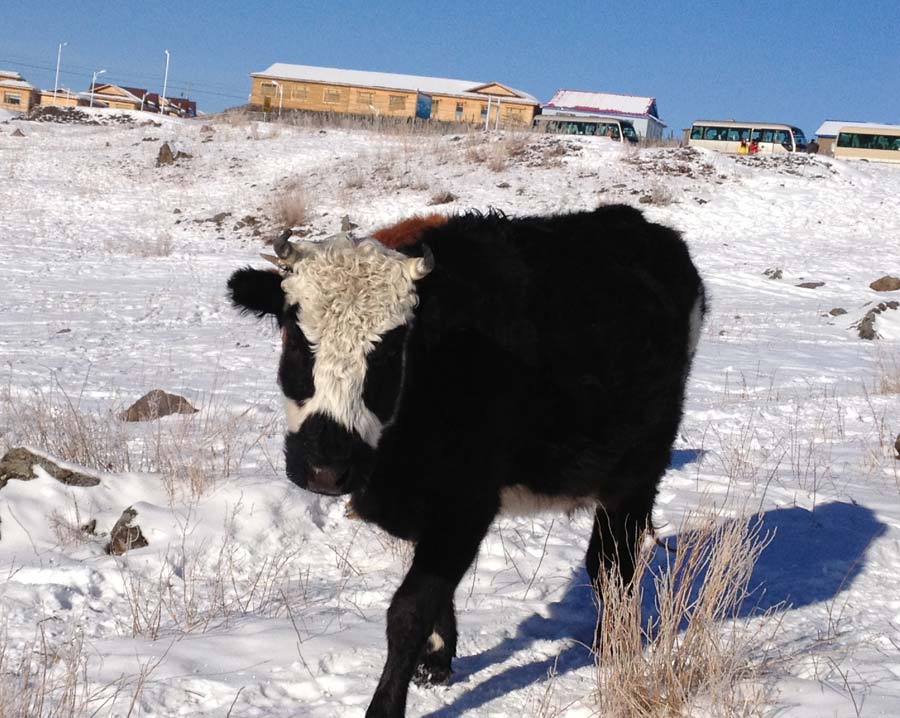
611	127
881	144
747	137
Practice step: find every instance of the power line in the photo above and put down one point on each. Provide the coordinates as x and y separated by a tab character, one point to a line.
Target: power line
196	88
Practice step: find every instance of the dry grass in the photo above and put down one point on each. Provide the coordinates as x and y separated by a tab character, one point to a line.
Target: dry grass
659	142
688	654
196	589
48	678
292	207
658	195
38	679
191	453
887	374
159	246
494	152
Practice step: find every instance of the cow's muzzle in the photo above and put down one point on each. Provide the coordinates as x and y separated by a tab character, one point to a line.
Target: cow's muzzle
329	480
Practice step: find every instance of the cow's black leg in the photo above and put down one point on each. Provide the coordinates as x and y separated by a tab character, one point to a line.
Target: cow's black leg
442	557
614	540
439	651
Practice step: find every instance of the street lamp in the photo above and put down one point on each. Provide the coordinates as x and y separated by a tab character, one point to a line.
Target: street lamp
165	85
94	83
280	95
56	82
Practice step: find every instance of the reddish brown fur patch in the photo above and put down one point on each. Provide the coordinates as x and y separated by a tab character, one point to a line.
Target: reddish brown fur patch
409	231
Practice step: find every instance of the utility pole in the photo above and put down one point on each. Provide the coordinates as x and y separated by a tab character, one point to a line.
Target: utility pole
162	99
94	83
56	82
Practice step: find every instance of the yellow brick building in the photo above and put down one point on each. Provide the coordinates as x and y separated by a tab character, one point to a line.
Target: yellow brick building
360	92
16	94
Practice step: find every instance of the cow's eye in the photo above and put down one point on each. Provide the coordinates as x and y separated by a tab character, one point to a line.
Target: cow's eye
390	347
384	374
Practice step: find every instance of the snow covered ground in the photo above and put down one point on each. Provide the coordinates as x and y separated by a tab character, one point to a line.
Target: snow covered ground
256	599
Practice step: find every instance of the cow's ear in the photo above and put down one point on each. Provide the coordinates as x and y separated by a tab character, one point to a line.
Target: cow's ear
256	291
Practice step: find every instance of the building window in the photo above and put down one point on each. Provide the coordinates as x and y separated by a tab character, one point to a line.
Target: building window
331	96
459	110
299	92
365	98
484	112
515	114
12	98
268	89
397	102
435	106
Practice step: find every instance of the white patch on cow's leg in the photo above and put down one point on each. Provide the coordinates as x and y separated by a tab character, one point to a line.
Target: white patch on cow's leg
696	323
435	643
294	414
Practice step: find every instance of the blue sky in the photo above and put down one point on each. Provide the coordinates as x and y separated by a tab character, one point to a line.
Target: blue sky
797	62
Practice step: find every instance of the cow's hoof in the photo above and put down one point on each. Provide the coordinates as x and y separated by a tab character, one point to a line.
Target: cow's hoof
430	673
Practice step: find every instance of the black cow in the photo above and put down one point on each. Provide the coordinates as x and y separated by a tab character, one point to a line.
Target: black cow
496	364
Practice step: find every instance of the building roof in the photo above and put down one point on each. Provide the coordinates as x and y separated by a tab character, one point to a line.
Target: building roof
604	103
10	75
127	93
388	80
138	92
183	104
830	128
18	84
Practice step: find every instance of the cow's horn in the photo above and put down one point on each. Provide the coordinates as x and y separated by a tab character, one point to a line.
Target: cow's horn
419	267
285	250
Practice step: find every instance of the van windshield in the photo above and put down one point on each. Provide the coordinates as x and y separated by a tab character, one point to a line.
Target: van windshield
628	131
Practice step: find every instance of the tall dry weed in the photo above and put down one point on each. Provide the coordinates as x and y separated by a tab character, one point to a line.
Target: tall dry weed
887	374
292	207
689	653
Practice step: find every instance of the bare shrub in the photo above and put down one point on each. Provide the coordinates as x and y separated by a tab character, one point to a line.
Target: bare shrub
69	526
659	142
476	154
688	653
887	374
236	117
658	195
355	179
291	208
442	197
158	246
196	589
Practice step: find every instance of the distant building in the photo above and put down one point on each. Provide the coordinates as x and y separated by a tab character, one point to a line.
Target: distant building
642	111
15	93
62	97
119	97
828	132
360	92
181	106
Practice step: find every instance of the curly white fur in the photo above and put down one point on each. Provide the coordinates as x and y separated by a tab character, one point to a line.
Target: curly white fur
350	294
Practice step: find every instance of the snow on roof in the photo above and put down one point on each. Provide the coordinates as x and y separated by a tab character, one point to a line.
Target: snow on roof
19	84
830	128
602	102
10	75
387	80
126	95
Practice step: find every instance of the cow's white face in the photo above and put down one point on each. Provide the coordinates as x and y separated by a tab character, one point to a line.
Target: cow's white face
348	297
344	308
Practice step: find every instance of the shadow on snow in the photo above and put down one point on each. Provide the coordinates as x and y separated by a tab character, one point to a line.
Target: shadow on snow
811	558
